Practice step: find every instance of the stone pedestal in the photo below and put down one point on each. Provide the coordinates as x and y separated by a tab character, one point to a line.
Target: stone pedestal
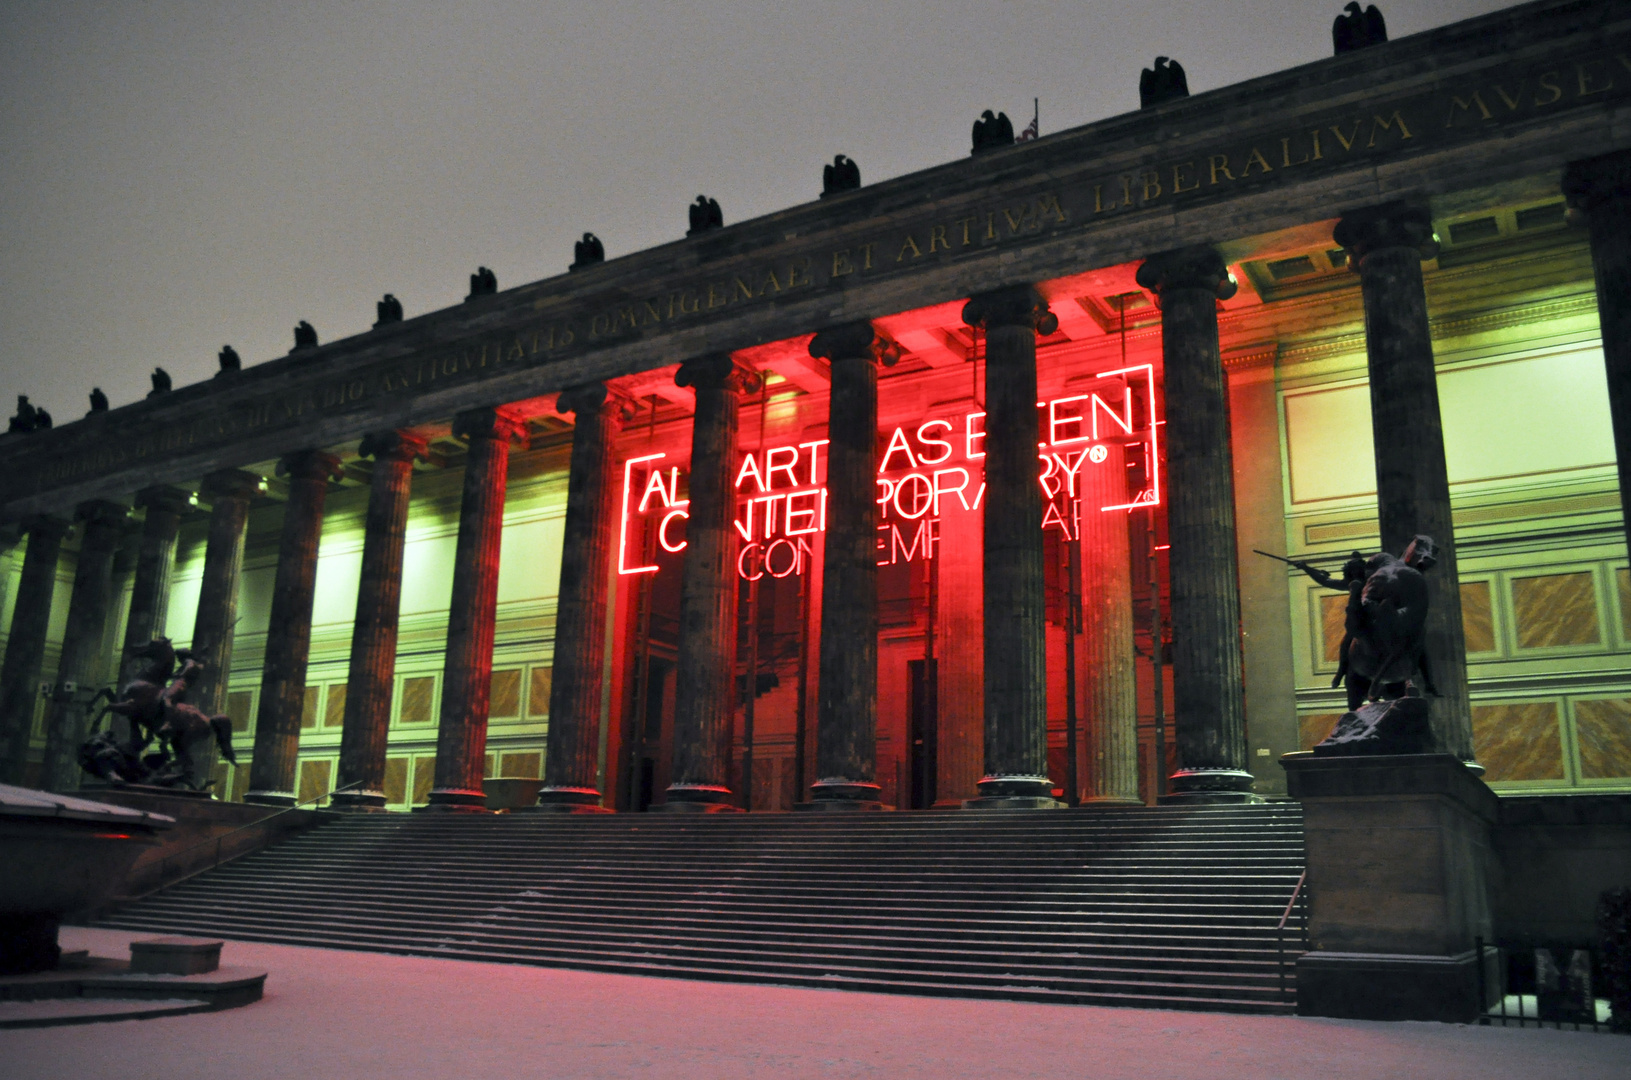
82	665
847	701
1398	860
288	631
25	646
1387	244
373	636
571	761
1209	702
467	674
1016	677
705	673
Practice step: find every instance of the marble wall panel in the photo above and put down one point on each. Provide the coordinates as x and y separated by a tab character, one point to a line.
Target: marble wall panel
308	707
1602	730
316	776
418	700
504	697
424	774
1477	616
334	707
241	708
1333	620
396	780
528	764
543	678
1553	610
1622	586
1314	727
1518	741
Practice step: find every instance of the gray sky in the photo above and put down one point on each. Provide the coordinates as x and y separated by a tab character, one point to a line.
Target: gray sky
175	176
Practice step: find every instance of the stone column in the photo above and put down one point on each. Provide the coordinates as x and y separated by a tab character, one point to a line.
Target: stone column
1109	681
288	629
1599	190
1209	703
228	492
1016	678
847	694
461	737
1386	245
25	647
705	672
571	758
155	565
82	663
373	636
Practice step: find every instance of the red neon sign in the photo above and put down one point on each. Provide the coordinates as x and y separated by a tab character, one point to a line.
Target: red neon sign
782	494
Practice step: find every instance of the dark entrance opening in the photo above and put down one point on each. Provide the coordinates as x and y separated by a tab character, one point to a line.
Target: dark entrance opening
922	736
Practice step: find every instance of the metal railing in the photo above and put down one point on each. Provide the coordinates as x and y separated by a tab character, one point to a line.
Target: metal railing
1544	984
1280	930
163	864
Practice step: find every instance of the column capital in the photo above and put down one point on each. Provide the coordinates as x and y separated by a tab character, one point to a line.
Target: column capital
595	397
849	341
1014	305
309	465
230	484
101	512
164	499
1590	183
394	446
497	423
48	526
720	371
1389	225
1198	266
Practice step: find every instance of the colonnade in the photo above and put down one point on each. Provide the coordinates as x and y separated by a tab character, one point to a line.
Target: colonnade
1386	244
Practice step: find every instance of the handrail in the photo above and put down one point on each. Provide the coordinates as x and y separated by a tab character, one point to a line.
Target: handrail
1293	901
216	840
1280	931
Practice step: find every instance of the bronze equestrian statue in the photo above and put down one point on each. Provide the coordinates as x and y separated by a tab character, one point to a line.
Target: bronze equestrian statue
153	702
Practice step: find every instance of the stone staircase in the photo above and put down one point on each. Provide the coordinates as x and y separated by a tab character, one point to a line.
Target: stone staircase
1166	907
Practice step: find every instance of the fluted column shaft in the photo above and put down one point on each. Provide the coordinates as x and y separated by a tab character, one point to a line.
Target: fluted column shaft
155	566
288	630
847	689
214	627
82	665
705	672
461	737
373	636
1109	680
1016	678
571	760
1600	191
1386	245
25	646
1208	696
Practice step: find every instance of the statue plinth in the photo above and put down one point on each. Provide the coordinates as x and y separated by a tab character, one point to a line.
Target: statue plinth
1398	856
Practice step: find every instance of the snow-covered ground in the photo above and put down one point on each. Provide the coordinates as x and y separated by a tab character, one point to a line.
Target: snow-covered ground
366	1015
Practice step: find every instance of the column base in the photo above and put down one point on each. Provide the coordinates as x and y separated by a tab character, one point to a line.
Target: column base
1396	986
458	801
271	798
568	800
352	802
841	796
1014	802
1209	787
698	799
1014	792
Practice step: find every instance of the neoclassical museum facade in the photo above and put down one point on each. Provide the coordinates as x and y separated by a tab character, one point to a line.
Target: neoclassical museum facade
940	491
